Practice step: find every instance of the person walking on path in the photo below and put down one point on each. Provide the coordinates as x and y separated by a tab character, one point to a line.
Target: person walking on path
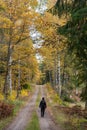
42	106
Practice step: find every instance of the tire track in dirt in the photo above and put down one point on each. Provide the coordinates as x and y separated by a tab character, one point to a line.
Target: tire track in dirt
46	122
24	116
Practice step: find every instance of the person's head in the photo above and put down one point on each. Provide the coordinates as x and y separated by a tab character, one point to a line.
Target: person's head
42	98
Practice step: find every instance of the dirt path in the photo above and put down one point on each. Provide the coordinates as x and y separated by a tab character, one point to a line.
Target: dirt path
47	122
24	115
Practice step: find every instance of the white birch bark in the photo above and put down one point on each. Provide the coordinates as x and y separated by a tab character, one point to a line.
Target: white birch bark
8	79
59	75
19	79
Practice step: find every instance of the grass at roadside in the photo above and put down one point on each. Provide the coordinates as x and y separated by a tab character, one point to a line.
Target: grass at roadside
69	122
34	123
18	104
4	122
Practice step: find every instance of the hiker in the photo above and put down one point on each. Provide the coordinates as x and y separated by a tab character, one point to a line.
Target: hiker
42	106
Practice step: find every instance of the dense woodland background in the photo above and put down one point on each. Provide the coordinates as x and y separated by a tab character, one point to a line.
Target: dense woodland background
61	48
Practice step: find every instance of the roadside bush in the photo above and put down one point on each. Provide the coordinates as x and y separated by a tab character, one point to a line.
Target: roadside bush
24	93
57	99
67	99
26	86
5	110
53	94
1	96
12	96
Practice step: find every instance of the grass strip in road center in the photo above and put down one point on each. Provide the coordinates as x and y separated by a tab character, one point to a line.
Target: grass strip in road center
34	123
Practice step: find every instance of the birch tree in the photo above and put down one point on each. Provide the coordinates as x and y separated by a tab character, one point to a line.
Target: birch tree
15	21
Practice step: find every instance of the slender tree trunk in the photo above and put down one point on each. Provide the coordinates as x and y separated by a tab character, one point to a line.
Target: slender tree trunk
8	72
77	91
14	87
63	75
50	77
86	97
10	76
86	105
19	78
55	75
59	75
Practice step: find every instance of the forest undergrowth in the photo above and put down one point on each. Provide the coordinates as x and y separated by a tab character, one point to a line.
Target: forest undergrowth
70	118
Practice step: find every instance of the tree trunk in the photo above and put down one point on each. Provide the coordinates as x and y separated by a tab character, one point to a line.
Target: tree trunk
19	78
10	77
86	105
49	76
59	75
86	97
63	75
77	91
55	75
8	72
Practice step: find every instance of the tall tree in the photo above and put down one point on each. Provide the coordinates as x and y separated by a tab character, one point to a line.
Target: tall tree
15	21
75	30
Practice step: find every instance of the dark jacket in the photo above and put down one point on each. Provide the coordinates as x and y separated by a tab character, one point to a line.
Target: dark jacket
42	104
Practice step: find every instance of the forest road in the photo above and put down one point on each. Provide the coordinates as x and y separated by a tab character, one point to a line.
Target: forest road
24	116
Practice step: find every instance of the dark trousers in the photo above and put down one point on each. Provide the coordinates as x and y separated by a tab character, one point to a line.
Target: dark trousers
42	112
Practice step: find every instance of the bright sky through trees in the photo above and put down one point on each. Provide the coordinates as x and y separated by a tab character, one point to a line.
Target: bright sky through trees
41	6
35	35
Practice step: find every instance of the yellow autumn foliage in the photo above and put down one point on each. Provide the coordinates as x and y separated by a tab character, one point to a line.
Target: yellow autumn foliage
13	95
53	95
24	93
1	96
